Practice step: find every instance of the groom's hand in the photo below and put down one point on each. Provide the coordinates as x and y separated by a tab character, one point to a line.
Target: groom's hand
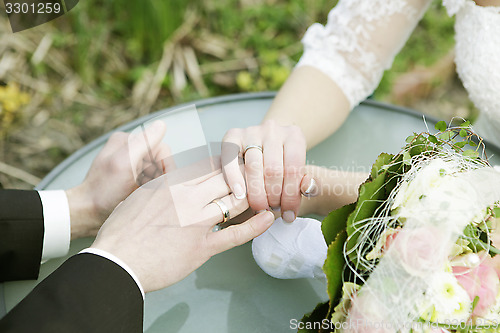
163	231
126	161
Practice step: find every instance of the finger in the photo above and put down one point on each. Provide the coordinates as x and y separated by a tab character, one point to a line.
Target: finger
230	158
309	186
236	235
150	170
213	188
162	162
273	171
294	162
196	173
165	158
142	143
116	141
213	214
254	173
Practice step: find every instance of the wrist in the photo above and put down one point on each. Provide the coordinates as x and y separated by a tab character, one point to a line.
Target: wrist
85	221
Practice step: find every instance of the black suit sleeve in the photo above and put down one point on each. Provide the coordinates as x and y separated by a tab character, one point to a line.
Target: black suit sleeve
87	293
21	234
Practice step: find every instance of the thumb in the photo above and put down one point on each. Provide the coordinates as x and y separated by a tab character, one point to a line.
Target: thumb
239	234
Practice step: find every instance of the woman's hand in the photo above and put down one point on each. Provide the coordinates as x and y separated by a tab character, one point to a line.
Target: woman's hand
274	158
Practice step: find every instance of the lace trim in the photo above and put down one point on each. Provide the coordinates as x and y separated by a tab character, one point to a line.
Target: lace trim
350	48
477	48
453	6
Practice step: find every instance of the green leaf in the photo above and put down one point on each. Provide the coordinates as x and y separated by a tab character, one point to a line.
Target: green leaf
475	244
410	139
460	144
382	160
472	143
371	194
433	139
465	124
317	315
406	158
419	145
474	303
441	126
462	133
446	136
496	211
335	222
470	153
334	268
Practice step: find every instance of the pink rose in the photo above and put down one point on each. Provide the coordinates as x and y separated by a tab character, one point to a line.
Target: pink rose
419	250
481	281
367	316
494	263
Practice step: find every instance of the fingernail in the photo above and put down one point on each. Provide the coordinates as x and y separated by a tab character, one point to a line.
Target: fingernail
289	216
262	210
276	209
312	189
270	217
238	192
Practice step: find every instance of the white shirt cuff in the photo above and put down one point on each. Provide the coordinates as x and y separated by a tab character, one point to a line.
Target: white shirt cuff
57	224
117	261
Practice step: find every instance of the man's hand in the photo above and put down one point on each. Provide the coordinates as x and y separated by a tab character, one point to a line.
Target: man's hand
126	161
163	231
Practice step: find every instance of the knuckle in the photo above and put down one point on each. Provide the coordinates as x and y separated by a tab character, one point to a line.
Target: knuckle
290	202
241	205
273	172
292	172
258	201
117	137
294	129
274	201
253	232
273	189
233	132
270	123
116	165
253	167
296	132
235	238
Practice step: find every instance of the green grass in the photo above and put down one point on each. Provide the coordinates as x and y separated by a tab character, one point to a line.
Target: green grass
111	45
431	40
135	31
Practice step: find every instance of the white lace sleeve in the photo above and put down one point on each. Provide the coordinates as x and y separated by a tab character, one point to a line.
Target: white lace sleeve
476	56
360	41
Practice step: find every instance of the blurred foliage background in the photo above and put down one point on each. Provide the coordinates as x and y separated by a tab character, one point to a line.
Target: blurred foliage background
105	63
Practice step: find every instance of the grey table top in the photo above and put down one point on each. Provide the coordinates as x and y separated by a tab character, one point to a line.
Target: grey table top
230	293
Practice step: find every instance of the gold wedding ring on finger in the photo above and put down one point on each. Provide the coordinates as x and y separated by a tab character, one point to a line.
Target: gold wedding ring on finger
247	148
223	208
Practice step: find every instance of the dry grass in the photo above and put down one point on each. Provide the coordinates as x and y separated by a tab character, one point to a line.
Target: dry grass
74	98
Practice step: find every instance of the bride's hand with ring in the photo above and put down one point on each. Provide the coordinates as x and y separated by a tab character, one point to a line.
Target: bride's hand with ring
274	158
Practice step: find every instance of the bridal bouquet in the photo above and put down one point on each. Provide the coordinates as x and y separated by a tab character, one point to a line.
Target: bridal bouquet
416	252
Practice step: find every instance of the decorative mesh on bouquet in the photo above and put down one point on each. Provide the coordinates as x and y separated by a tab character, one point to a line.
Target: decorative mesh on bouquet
418	248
